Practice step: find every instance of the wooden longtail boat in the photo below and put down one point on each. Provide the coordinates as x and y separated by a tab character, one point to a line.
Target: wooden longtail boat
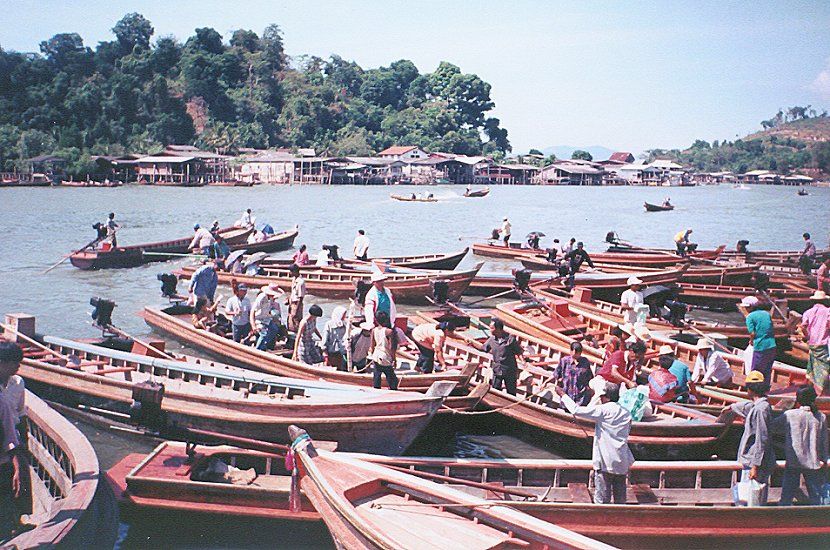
408	288
71	508
460	367
669	504
727	296
657	207
371	506
647	258
607	285
477	193
441	262
537	405
90	183
134	255
279	241
406	198
231	183
210	396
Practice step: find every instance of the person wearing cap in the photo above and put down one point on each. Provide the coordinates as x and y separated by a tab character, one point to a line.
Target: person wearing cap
681	240
506	229
759	326
805	447
755	451
266	316
815	328
334	339
296	298
662	384
575	258
631	298
360	340
385	339
204	281
203	240
710	366
238	308
503	349
379	298
360	248
305	344
574	374
430	338
680	371
611	456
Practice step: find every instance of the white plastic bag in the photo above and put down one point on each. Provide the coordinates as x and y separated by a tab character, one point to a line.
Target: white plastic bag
749	493
748	359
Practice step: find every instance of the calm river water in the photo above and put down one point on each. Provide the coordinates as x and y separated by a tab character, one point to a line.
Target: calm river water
42	224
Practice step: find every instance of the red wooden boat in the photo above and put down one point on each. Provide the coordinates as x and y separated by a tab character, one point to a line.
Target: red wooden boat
211	396
670	504
727	296
460	368
277	242
640	257
69	510
408	288
137	254
371	506
437	262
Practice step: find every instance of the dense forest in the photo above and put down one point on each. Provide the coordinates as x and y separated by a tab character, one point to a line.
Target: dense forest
133	94
794	139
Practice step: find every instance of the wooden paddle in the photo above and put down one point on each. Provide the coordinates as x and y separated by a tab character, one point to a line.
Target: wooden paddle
66	256
147	345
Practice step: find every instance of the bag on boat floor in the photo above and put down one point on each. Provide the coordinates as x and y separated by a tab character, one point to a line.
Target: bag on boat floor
749	493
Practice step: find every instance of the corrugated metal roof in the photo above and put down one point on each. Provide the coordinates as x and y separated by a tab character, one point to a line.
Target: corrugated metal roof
159	159
397	150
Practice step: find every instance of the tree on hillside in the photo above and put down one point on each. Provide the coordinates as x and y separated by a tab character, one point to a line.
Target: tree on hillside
132	31
579	154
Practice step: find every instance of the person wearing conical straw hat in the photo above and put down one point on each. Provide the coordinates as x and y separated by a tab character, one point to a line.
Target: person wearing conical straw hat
815	328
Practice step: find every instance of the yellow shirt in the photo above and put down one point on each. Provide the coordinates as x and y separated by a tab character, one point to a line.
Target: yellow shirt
680	237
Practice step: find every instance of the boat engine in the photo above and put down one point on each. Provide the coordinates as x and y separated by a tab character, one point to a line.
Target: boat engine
102	311
440	291
521	279
146	406
742	246
612	238
360	291
332	249
677	313
760	281
168	284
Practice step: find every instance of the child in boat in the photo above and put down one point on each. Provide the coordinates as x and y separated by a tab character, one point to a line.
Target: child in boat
204	315
384	347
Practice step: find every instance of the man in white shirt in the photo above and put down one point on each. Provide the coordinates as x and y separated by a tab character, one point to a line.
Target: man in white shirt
238	307
361	246
506	228
611	456
323	259
710	366
247	220
568	248
632	298
379	298
202	241
266	316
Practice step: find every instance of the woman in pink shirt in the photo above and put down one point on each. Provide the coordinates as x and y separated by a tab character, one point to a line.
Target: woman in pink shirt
301	257
815	326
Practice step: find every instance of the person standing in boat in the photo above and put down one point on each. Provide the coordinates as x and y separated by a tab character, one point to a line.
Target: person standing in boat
334	339
360	248
815	328
755	451
805	447
503	348
760	328
631	298
238	308
575	258
384	347
15	484
204	281
574	374
611	455
306	349
203	240
296	298
710	366
266	317
681	241
112	229
808	256
506	229
379	298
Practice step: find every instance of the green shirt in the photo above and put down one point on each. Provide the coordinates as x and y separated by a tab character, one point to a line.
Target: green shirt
760	323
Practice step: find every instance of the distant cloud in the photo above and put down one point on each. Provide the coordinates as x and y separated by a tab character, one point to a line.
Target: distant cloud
821	85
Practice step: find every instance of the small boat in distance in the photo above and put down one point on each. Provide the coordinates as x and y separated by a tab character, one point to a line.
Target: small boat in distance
414	198
477	193
802	193
657	207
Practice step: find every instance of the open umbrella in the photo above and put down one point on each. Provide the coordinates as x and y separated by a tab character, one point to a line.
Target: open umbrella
233	256
535	234
254	259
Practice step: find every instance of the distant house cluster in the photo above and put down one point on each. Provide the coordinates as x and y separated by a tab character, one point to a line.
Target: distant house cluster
186	165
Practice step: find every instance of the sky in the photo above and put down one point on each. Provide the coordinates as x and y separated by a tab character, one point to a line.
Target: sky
626	75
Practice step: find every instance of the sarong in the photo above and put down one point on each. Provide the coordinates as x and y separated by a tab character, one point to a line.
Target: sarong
818	365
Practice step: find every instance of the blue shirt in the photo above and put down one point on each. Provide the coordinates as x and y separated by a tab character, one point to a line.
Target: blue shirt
384	303
760	322
204	282
681	371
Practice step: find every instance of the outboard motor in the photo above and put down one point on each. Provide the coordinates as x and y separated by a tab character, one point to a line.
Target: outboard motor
521	279
550	254
741	247
440	291
102	311
677	313
612	238
760	281
168	284
691	248
533	242
101	230
146	406
494	235
360	291
333	251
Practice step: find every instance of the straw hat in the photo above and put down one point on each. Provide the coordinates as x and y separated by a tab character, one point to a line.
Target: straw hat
634	280
628	328
642	333
366	325
272	290
819	295
666	349
704	343
754	377
378	276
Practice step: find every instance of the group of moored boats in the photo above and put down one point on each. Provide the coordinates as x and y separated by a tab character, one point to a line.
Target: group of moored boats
279	420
